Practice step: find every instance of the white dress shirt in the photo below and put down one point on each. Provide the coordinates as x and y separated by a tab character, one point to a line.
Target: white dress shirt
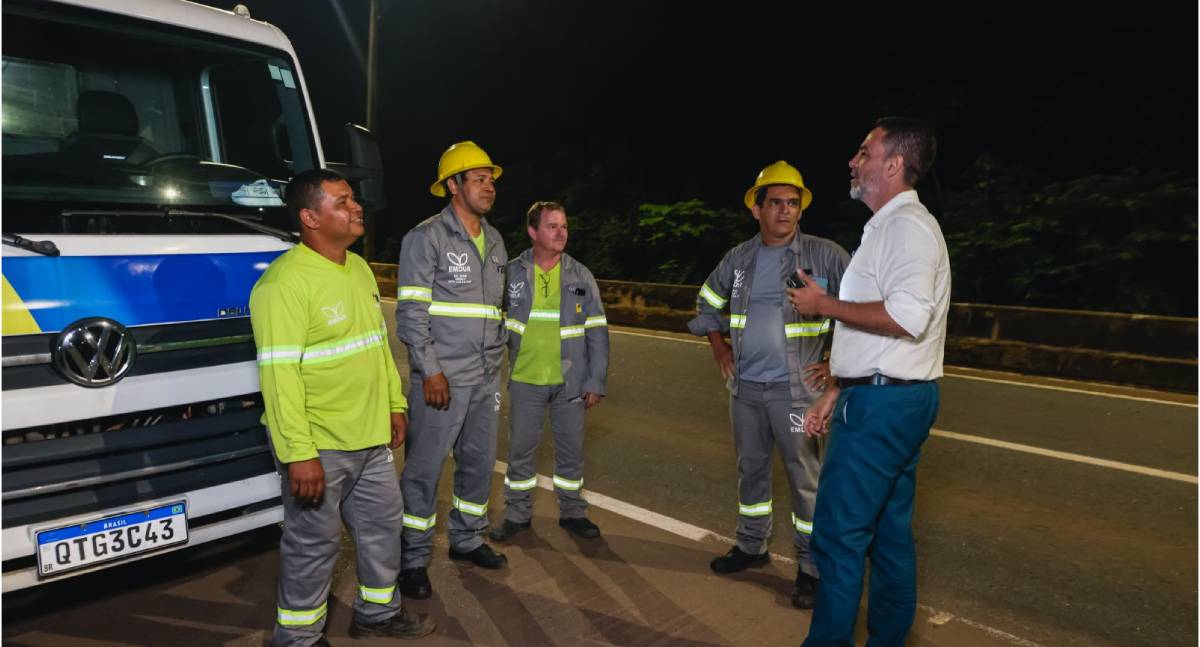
902	261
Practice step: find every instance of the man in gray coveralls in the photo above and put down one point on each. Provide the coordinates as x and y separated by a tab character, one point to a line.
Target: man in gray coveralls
774	368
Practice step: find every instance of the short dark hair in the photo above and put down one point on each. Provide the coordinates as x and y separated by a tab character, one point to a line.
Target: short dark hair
911	139
534	216
304	191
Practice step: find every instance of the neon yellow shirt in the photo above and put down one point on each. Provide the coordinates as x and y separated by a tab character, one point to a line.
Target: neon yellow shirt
478	240
327	375
540	358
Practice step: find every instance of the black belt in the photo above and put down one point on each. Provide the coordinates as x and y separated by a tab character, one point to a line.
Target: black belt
878	379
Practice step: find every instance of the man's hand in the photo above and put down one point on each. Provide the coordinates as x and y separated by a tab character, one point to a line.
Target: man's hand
437	391
399	429
591	399
722	352
817	376
816	419
308	481
807	300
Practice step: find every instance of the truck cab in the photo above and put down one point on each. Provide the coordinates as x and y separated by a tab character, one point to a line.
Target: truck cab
146	145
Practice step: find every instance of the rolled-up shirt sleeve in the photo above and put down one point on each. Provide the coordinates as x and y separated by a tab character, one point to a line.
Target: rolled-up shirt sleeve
907	273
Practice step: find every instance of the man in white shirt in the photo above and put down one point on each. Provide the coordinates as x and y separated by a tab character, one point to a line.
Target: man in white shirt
891	313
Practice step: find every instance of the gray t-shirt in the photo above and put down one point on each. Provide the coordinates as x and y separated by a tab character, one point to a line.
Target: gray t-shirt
764	342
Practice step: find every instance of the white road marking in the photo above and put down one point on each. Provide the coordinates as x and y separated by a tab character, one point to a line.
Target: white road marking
1067	456
951	373
696	533
1051	387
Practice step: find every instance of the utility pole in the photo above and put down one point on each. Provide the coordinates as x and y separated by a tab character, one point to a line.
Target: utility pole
369	233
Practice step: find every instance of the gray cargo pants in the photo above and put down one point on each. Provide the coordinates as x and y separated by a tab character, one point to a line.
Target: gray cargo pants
762	418
468	428
527	413
360	490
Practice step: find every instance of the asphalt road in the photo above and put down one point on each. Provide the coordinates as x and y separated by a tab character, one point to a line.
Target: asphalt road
1053	551
1075	548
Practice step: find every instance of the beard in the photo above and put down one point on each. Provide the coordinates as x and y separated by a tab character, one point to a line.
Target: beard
857	191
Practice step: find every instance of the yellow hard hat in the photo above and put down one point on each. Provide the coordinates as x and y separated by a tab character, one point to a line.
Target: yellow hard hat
460	157
780	173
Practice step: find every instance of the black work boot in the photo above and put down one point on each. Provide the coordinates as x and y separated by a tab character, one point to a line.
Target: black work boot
804	595
483	557
580	527
414	583
737	560
507	529
404	624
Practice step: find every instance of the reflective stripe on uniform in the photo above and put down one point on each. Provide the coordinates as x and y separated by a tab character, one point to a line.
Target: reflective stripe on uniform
303	617
712	298
801	525
515	326
543	315
737	321
279	355
567	484
472	310
566	332
593	322
477	509
414	293
527	484
807	328
755	509
419	523
341	348
378	596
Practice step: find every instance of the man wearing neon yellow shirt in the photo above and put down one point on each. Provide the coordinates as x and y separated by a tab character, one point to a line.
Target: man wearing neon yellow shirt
558	351
335	410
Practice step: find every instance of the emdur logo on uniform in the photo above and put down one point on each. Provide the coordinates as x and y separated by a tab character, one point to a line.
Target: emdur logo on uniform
94	352
514	290
458	262
335	313
797	420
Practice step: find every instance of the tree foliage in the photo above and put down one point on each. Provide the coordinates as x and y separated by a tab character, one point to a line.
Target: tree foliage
1123	243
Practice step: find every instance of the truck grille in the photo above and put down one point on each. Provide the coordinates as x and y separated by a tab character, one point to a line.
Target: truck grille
78	467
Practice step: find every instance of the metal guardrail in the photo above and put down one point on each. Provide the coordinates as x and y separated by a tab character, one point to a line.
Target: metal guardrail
1145	350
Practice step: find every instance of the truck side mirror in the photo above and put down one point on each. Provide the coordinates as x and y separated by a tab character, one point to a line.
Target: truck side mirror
365	168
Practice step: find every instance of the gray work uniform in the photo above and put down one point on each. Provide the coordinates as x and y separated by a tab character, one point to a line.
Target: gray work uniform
360	490
583	330
769	414
448	316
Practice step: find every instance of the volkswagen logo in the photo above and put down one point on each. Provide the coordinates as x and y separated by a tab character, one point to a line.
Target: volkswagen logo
94	352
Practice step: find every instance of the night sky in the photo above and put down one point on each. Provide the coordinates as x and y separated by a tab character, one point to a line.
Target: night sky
667	101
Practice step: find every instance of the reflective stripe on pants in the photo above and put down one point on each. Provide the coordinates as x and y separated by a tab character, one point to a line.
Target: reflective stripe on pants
468	428
763	419
527	408
362	492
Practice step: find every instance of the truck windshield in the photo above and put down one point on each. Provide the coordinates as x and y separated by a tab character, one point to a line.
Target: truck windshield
115	114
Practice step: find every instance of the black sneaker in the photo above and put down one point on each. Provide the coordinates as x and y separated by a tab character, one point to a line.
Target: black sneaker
483	557
507	529
736	560
804	595
414	583
404	624
581	527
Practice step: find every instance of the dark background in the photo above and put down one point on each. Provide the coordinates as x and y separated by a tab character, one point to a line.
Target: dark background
1067	134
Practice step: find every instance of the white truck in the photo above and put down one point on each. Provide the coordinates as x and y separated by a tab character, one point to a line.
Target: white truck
146	144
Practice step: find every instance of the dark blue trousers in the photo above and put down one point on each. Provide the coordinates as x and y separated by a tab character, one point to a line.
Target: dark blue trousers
865	508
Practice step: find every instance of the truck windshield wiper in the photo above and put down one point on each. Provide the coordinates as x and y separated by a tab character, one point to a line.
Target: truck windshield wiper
285	236
43	247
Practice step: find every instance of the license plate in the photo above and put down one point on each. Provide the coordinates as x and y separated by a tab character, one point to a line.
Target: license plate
112	538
